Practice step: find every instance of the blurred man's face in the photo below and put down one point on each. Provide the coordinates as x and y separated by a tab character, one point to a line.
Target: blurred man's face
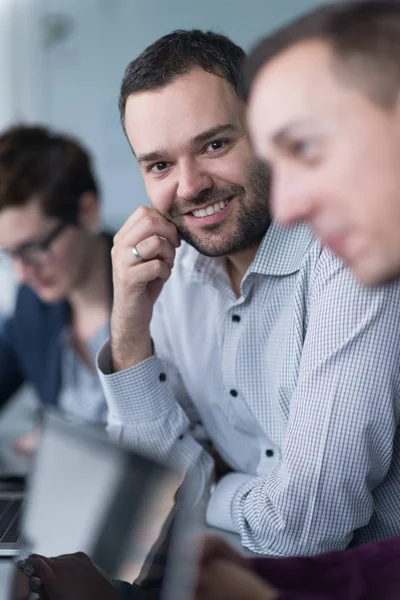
198	168
54	272
335	158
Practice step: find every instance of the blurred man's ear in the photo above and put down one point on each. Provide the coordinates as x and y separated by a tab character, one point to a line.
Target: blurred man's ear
89	212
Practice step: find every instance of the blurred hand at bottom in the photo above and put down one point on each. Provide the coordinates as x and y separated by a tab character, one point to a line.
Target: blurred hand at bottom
66	577
224	575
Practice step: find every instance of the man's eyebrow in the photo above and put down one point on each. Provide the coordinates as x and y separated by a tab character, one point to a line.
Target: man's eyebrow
150	157
159	155
214	131
282	135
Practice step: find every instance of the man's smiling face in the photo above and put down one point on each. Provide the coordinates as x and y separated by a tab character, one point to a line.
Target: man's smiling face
198	168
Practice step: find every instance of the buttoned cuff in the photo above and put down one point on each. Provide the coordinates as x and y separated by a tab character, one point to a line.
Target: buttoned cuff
219	509
131	388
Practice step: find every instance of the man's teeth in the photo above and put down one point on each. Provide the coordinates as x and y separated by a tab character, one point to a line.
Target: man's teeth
210	210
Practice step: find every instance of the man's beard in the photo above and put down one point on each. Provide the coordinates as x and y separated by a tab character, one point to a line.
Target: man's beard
252	222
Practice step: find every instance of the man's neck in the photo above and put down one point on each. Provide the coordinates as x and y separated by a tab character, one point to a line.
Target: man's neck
238	265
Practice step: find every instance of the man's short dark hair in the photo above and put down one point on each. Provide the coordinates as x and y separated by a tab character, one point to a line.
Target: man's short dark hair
176	54
364	38
37	163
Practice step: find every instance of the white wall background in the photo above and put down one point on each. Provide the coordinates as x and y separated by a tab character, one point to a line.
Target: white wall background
21	87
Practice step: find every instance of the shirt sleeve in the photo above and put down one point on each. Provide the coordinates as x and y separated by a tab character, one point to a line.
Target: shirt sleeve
341	425
149	410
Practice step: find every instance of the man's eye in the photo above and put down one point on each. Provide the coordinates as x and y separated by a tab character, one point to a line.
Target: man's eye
303	148
215	145
158	167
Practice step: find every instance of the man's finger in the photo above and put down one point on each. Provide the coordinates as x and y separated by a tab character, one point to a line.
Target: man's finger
133	218
43	568
142	273
156	247
143	224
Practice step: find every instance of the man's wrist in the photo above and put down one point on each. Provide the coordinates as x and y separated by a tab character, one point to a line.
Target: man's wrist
126	354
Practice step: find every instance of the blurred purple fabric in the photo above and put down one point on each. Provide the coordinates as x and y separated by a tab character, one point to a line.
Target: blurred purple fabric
370	572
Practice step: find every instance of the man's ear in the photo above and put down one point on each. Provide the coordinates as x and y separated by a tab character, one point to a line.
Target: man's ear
89	212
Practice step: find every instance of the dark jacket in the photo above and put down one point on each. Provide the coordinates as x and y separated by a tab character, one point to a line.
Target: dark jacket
30	349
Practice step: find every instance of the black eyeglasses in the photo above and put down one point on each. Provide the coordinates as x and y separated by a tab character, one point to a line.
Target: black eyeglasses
35	253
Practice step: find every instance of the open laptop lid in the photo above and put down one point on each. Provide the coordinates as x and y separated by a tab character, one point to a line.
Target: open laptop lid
89	494
172	521
81	483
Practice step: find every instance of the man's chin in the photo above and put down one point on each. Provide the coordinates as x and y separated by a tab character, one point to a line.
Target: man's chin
204	244
216	249
226	238
48	294
373	273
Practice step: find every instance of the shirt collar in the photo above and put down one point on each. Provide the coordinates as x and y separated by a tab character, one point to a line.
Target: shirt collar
280	253
282	250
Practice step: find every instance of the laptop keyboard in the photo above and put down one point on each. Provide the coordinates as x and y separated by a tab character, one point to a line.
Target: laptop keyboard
10	511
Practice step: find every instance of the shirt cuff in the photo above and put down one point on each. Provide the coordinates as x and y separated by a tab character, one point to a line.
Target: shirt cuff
219	507
133	387
104	362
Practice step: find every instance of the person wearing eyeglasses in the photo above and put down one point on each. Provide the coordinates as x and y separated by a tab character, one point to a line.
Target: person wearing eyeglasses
50	236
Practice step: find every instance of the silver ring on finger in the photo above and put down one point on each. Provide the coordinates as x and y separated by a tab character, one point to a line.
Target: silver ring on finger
136	253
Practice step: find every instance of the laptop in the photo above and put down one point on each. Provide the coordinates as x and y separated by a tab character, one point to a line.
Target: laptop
13	471
88	494
12	493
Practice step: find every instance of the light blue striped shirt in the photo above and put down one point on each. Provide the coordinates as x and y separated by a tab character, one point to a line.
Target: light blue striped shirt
81	394
296	383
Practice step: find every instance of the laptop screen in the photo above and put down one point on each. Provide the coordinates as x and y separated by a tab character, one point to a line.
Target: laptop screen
88	494
163	549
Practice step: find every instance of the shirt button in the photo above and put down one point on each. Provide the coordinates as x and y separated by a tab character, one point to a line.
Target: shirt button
162	377
269	453
236	318
233	393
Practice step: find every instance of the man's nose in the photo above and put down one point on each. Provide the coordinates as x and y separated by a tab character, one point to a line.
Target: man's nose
290	201
193	180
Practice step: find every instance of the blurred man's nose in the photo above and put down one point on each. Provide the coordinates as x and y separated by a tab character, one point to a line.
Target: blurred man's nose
193	180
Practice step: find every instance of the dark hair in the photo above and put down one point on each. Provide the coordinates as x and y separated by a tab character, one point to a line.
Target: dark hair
176	54
38	163
364	38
